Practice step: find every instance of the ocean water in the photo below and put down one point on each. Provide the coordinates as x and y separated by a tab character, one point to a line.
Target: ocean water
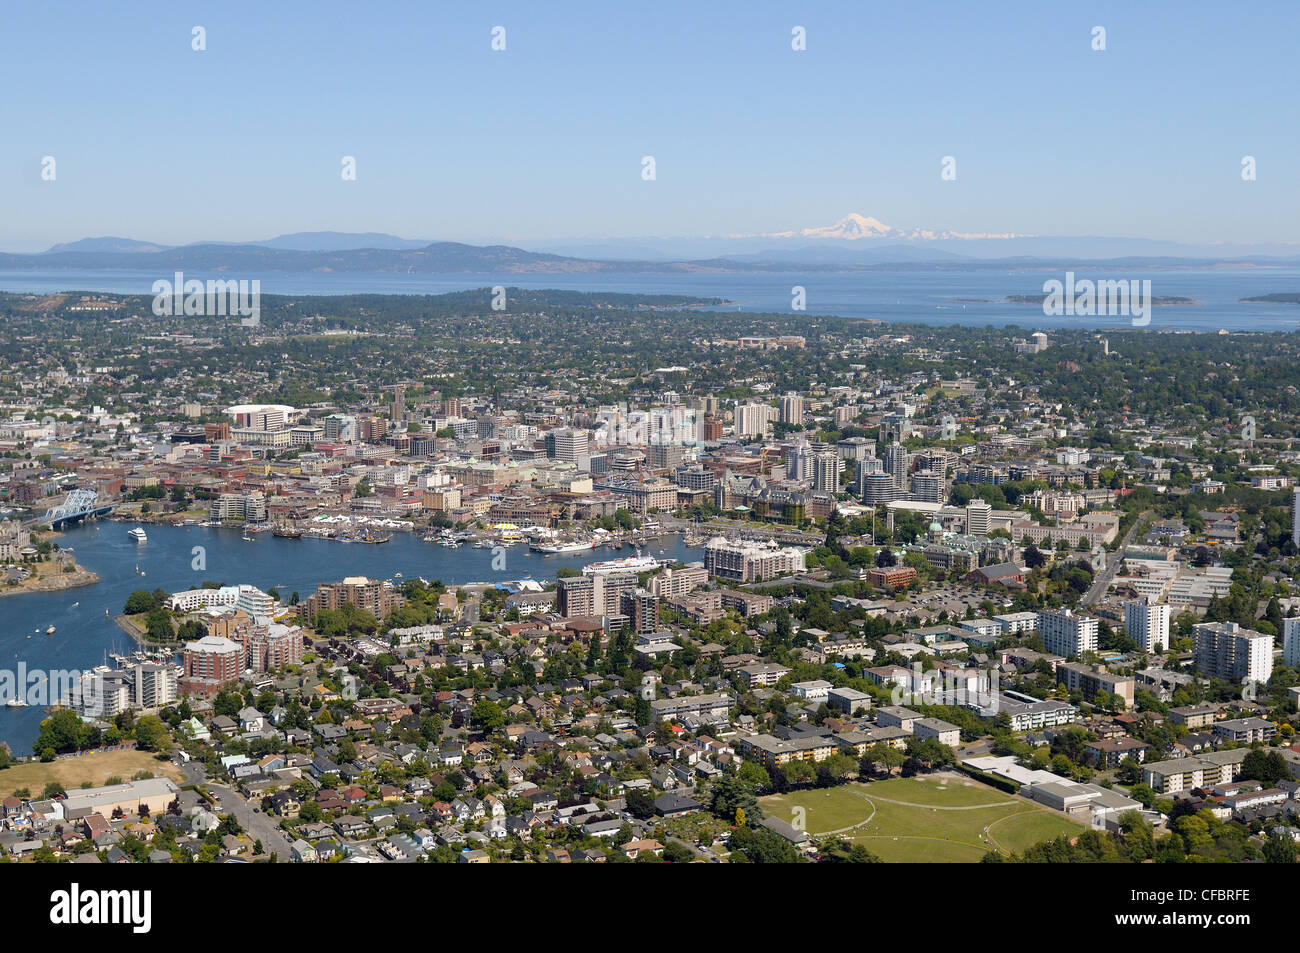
971	297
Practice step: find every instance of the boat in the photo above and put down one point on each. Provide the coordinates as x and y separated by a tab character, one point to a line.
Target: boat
15	703
138	534
287	532
625	564
50	630
554	549
364	538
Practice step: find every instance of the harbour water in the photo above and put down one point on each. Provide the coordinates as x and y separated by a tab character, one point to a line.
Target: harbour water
83	634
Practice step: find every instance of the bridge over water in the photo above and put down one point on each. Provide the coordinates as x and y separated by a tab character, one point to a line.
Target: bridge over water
78	505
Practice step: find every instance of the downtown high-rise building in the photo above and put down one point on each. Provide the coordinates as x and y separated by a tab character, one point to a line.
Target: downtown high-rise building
927	486
978	513
754	420
826	471
570	445
792	409
897	462
877	488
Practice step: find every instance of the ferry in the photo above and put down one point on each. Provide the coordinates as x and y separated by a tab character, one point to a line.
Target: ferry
138	534
626	564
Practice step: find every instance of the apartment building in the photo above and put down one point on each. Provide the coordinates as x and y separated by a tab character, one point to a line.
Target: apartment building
1091	679
210	664
1227	651
599	594
1147	623
1203	770
749	561
770	751
714	707
642	609
1291	642
1066	633
378	597
1244	730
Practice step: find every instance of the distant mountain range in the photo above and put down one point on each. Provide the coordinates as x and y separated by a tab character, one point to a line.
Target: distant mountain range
854	243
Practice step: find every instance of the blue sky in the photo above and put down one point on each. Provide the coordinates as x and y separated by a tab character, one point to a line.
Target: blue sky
452	140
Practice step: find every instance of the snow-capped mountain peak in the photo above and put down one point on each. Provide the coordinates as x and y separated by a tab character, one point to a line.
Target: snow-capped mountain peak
854	226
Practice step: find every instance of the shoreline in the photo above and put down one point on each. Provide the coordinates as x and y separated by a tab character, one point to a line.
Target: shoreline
55	582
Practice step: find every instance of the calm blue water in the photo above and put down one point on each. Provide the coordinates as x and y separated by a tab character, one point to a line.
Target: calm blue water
83	634
924	297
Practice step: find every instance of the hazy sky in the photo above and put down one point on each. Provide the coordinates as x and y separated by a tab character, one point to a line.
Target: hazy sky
452	140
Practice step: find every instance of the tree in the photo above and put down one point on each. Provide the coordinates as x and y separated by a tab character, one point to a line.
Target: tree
151	734
487	716
758	845
731	794
676	852
839	851
1280	848
1267	767
63	731
138	602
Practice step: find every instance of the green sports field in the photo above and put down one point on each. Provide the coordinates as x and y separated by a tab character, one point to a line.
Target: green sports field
939	818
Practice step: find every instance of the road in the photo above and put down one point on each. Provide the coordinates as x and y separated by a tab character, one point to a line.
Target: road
258	825
1103	579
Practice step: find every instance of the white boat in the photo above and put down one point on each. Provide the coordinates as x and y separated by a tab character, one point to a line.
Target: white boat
138	534
576	546
15	703
50	630
626	564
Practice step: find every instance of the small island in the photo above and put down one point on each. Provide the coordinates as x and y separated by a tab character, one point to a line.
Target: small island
1280	297
29	564
1156	300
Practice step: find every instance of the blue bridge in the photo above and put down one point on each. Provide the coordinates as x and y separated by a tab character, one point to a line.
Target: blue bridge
79	505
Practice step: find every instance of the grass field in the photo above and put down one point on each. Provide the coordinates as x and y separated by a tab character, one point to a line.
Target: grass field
74	773
944	818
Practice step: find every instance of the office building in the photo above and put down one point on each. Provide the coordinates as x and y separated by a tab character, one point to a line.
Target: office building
978	518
